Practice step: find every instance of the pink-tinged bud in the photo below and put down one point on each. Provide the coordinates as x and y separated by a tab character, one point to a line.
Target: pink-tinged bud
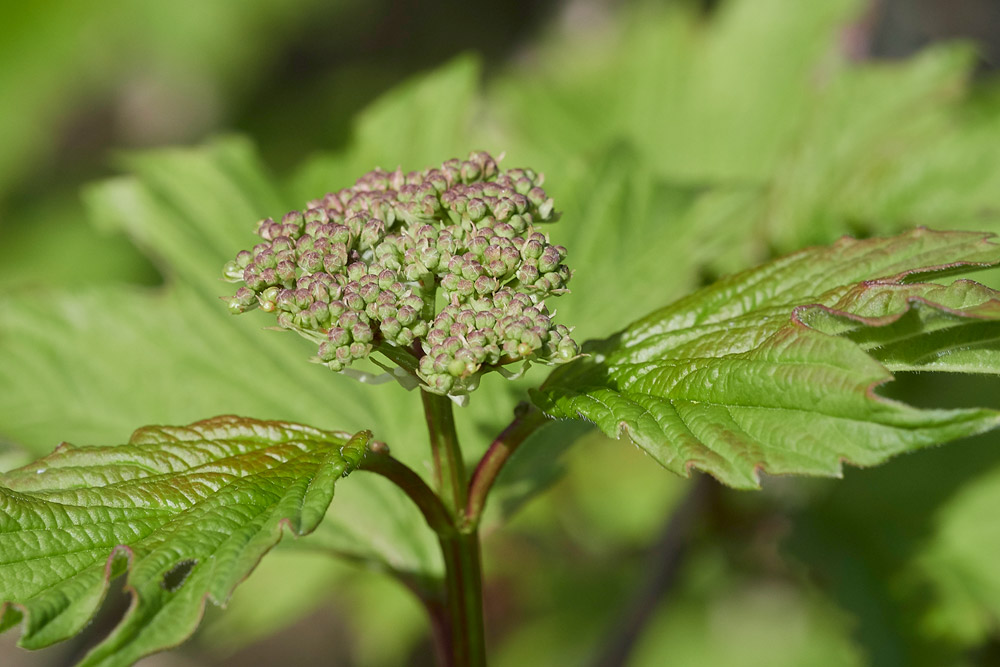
549	260
311	262
327	351
485	285
242	301
369	292
503	209
337	309
338	336
356	270
286	301
476	209
532	249
344	355
451	344
464	288
336	259
270	277
286	272
320	313
317	215
362	332
470	171
528	274
354	301
244	258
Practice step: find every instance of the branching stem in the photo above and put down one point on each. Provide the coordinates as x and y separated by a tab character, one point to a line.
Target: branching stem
527	419
434	511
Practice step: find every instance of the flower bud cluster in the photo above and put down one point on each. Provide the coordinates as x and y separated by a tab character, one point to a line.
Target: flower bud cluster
367	266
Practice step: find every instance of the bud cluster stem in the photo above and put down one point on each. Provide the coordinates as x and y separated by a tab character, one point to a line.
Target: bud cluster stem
449	466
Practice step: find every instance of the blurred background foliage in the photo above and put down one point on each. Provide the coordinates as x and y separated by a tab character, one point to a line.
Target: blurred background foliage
682	140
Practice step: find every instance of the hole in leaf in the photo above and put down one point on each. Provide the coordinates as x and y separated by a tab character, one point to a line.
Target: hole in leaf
175	577
944	390
111	612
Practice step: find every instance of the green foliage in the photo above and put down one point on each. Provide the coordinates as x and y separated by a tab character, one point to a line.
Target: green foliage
679	147
187	511
744	376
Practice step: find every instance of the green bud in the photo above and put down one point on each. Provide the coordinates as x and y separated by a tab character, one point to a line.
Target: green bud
441	383
567	349
390	327
456	368
407	315
354	301
532	249
436	335
320	312
232	271
286	301
242	301
470	171
356	270
476	209
419	329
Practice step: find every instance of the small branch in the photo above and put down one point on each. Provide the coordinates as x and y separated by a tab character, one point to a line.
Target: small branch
526	420
400	356
449	466
378	461
662	565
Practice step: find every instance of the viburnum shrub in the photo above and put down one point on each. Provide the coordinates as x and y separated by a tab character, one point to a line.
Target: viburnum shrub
436	279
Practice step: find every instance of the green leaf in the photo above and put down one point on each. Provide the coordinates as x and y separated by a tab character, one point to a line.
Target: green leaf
735	380
188	511
422	122
959	563
910	154
716	98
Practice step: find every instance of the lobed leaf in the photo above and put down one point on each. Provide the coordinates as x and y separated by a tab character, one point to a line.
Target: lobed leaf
775	369
187	511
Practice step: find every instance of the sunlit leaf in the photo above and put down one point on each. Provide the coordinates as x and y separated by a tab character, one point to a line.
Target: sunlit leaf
187	511
743	377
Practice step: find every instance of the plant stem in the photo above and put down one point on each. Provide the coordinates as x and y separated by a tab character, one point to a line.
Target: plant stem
664	561
464	598
526	420
435	513
455	610
449	467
